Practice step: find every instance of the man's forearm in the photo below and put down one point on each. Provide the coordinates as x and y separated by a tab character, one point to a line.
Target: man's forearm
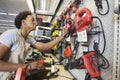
5	66
49	45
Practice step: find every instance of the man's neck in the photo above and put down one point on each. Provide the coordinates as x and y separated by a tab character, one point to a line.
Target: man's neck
24	33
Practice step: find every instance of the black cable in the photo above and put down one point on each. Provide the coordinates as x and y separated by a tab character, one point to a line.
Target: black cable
99	78
102	61
28	65
103	34
99	7
87	76
76	49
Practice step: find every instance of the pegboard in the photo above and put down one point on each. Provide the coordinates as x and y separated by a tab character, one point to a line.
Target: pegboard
107	21
116	59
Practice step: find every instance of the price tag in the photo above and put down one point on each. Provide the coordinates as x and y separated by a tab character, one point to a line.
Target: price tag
68	39
82	36
73	16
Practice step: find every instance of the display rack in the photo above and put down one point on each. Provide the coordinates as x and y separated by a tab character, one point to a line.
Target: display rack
116	58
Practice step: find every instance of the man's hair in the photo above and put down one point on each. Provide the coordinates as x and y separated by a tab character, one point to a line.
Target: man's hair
20	17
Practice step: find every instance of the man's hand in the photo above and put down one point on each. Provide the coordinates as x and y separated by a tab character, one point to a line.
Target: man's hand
64	31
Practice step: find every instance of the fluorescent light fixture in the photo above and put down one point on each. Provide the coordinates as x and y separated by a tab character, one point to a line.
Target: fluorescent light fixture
6	20
41	11
43	3
44	12
30	5
12	14
7	25
3	13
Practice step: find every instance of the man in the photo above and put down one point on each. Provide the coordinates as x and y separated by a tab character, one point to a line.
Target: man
15	43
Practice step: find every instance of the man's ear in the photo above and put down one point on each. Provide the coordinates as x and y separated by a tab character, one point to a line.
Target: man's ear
23	22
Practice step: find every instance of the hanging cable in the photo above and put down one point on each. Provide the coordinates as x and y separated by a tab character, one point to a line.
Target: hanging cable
102	61
103	34
99	6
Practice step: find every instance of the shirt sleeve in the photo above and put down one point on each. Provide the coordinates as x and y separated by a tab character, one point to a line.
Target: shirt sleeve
31	40
7	38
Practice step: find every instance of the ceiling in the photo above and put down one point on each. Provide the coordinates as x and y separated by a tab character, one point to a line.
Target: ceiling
10	8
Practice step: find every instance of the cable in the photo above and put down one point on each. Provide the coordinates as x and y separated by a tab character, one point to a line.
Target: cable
28	65
99	7
75	50
105	63
103	33
102	61
87	76
99	78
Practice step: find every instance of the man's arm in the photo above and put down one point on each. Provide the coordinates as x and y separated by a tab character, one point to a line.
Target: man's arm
5	66
49	45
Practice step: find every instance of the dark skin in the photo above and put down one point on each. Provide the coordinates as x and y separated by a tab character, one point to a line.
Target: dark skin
27	26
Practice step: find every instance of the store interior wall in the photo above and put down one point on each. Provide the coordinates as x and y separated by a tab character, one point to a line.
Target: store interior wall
108	24
107	21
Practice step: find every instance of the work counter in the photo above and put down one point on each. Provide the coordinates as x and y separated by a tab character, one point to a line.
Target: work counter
62	73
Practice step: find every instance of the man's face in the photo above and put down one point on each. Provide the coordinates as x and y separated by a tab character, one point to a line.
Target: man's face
30	22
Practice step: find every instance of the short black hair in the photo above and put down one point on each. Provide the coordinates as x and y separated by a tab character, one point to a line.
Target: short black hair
20	17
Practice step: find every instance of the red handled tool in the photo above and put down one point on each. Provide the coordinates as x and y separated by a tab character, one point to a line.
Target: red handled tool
67	51
21	73
90	63
83	18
